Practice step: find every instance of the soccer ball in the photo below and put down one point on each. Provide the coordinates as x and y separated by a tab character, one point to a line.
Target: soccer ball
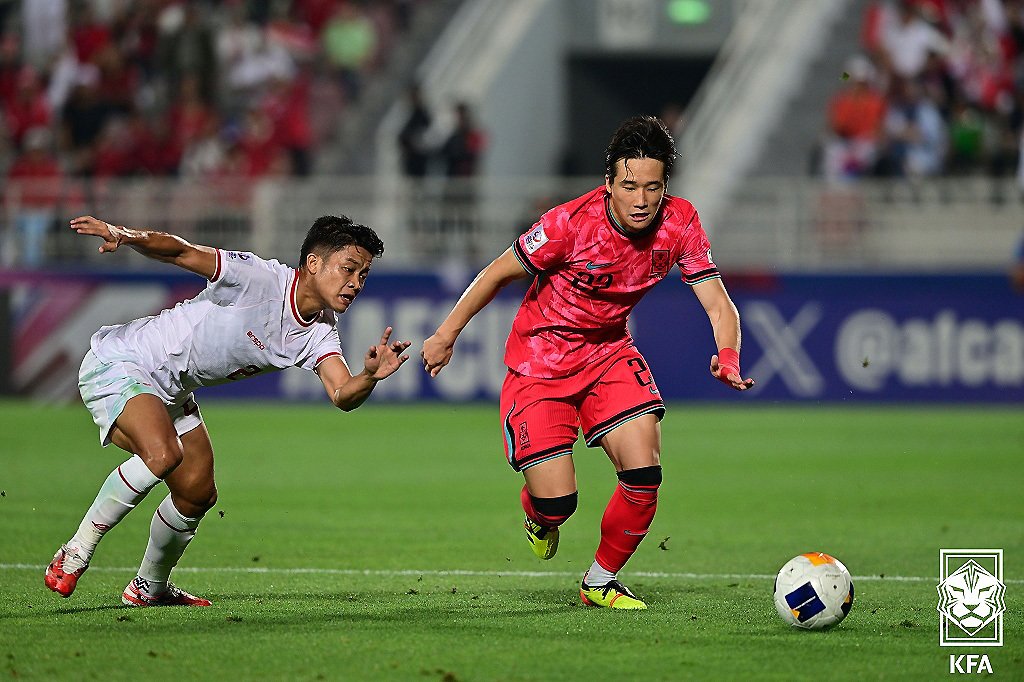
813	591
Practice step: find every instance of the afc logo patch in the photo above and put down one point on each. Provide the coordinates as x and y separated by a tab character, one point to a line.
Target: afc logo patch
235	254
524	437
660	263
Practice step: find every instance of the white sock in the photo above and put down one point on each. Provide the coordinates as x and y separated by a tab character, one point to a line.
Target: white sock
169	535
124	488
597	576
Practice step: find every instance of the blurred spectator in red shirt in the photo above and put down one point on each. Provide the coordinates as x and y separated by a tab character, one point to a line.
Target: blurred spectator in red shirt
114	154
855	117
119	81
31	196
260	145
28	108
89	36
9	66
315	13
287	106
190	114
159	150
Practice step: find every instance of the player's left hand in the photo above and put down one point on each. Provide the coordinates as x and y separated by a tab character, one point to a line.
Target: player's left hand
730	378
384	359
86	224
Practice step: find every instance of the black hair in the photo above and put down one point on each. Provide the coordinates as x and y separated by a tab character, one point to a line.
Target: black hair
333	233
641	137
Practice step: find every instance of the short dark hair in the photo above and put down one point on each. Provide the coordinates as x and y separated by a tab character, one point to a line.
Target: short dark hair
641	137
332	233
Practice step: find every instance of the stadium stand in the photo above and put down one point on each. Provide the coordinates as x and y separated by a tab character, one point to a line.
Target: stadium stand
229	122
208	87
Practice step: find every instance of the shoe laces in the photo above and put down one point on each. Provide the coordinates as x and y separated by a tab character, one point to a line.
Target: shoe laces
618	587
609	586
73	561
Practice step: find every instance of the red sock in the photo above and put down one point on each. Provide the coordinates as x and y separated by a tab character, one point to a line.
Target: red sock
627	518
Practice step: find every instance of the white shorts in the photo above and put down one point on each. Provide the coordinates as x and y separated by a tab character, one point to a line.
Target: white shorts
107	387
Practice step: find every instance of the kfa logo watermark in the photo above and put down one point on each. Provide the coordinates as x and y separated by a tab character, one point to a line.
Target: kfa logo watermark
971	597
971	604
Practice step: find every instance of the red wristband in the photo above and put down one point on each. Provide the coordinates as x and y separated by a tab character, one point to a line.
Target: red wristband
728	362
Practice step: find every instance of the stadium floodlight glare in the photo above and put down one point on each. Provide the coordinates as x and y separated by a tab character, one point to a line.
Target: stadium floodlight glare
688	11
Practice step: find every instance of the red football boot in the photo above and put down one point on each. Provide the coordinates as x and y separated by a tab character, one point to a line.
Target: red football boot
134	595
64	571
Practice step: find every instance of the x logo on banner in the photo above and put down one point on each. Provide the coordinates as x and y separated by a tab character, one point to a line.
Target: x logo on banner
783	351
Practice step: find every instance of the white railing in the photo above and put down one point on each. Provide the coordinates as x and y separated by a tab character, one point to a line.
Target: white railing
795	224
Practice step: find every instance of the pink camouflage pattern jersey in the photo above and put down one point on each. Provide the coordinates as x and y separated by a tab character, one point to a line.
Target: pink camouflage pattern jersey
590	273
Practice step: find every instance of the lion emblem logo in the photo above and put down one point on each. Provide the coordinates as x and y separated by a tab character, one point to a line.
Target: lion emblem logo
971	597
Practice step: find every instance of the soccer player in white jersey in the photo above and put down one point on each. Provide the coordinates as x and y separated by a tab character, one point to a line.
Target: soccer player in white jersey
137	379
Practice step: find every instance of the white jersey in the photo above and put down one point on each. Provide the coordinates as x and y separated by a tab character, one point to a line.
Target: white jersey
246	322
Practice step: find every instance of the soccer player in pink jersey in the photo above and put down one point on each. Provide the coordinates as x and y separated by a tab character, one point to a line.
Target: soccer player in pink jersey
137	379
571	362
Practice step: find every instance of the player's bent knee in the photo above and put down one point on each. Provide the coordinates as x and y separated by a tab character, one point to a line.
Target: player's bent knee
211	501
554	511
162	459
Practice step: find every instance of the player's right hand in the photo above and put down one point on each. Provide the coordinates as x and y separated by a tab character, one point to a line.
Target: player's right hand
86	224
729	376
437	352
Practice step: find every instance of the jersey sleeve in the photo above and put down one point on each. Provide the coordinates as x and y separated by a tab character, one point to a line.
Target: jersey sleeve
695	262
326	344
547	244
238	272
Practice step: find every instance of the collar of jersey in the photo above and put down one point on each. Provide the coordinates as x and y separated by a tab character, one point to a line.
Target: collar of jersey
653	227
294	304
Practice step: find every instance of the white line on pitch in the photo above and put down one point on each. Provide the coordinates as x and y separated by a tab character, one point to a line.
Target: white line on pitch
460	572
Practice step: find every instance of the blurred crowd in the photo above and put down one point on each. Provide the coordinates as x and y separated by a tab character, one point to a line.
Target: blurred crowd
938	89
184	87
195	89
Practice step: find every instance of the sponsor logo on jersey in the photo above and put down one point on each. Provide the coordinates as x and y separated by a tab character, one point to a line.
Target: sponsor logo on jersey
236	255
256	342
597	266
535	239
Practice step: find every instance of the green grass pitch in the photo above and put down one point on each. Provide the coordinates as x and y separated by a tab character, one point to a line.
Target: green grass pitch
387	544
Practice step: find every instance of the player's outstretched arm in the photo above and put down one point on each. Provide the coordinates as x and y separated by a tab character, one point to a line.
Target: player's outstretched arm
437	350
160	246
348	391
725	322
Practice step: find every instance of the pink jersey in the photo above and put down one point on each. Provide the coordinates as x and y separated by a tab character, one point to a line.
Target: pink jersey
590	274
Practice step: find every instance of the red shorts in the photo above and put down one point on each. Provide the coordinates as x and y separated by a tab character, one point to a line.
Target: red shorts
542	418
